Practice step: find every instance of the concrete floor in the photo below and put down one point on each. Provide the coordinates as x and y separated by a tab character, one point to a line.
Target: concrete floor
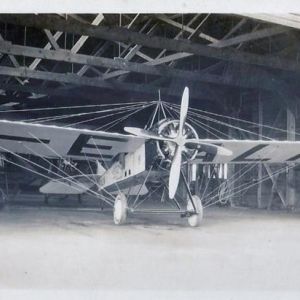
236	250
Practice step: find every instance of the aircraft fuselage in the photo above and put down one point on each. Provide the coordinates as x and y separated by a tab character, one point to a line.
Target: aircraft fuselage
128	171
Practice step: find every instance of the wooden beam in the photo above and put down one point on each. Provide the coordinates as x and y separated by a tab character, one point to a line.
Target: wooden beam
290	176
99	18
125	35
186	28
260	170
48	46
81	41
96	82
153	62
235	28
274	179
13	61
259	34
159	58
72	91
256	81
29	89
119	63
247	37
98	52
58	34
51	39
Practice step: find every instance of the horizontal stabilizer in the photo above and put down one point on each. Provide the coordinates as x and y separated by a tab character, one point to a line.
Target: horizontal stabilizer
68	186
136	190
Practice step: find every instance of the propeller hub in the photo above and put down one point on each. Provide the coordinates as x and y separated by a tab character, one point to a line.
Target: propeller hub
180	141
169	129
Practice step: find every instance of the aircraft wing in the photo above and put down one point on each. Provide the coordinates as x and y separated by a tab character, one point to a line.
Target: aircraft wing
54	142
252	151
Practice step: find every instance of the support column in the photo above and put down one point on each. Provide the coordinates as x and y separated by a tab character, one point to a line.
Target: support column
231	174
260	169
290	177
4	182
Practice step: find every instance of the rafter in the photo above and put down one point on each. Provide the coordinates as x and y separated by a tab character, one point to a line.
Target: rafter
258	81
93	82
81	41
132	52
58	34
78	45
28	89
247	37
51	39
125	35
186	28
159	59
13	61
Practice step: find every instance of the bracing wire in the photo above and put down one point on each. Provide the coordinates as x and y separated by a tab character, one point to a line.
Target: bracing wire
239	120
43	168
72	107
58	155
80	114
165	108
225	125
101	117
115	122
106	166
266	177
237	189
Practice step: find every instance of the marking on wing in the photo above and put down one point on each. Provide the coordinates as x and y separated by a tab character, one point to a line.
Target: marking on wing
109	138
293	158
23	139
243	157
100	147
83	141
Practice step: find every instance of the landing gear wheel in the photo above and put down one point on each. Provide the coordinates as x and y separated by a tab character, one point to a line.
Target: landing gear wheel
120	209
224	193
195	219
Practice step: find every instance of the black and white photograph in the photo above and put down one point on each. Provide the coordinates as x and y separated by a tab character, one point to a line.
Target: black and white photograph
149	150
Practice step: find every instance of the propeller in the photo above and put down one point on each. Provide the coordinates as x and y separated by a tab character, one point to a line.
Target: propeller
180	142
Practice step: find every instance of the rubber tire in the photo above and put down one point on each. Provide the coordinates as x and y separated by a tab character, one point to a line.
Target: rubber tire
195	220
120	209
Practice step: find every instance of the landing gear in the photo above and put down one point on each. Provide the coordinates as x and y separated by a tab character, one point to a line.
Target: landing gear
188	206
194	208
195	218
120	209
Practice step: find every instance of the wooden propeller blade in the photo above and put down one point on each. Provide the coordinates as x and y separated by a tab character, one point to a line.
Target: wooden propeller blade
175	172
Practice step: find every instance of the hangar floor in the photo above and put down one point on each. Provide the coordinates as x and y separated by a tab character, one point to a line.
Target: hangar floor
235	249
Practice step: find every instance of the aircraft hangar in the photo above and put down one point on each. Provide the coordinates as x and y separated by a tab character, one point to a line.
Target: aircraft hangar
104	72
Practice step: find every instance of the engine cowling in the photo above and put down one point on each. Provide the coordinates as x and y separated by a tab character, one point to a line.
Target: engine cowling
168	128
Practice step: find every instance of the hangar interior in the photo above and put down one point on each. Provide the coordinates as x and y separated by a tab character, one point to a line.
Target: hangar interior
242	72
